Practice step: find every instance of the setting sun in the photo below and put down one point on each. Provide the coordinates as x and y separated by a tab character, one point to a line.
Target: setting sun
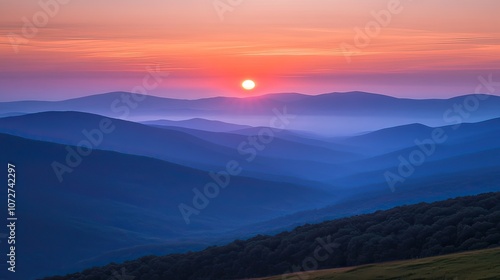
248	84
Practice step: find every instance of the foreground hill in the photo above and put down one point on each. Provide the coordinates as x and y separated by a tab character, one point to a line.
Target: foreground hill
481	264
406	232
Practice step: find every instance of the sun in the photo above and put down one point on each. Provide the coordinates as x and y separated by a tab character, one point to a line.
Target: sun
248	84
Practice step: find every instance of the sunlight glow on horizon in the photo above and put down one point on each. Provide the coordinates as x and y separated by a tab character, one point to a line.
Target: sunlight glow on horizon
291	46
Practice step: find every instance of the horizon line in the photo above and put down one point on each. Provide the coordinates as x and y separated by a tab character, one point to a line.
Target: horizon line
247	97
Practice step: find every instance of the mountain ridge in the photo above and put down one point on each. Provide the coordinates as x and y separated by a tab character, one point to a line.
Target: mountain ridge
327	114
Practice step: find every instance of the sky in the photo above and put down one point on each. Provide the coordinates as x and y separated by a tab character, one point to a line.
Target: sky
60	49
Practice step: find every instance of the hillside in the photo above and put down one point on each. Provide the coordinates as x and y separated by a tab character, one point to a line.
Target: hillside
128	202
406	232
481	264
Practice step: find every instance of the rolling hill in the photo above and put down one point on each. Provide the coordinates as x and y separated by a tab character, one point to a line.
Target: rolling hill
407	232
128	201
199	149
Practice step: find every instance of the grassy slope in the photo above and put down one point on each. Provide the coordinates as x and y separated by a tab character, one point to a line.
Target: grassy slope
482	264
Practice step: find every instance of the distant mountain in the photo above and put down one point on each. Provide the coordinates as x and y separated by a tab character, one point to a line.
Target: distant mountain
400	137
199	124
287	97
112	201
327	114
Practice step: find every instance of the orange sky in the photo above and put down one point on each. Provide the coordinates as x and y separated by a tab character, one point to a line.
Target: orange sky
428	48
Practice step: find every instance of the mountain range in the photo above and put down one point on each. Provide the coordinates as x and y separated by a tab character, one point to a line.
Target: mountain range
114	186
336	114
